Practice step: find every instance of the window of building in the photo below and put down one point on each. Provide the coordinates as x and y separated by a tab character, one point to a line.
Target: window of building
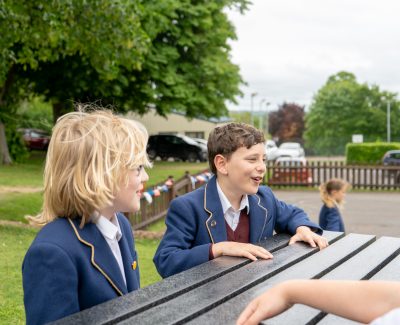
195	134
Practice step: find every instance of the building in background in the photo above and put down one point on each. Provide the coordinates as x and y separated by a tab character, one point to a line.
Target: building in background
176	123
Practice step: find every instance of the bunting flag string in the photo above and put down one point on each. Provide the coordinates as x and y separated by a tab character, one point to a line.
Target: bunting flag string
157	190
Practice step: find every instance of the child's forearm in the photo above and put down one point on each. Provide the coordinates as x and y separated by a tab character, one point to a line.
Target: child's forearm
362	301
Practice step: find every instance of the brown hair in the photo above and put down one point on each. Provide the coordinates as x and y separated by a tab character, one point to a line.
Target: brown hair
334	184
225	140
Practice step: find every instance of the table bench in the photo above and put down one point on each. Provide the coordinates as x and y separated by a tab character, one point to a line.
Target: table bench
217	291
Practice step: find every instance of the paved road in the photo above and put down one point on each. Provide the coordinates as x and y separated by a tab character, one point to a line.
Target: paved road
375	213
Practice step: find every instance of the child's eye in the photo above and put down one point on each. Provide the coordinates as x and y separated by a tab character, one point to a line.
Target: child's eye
139	169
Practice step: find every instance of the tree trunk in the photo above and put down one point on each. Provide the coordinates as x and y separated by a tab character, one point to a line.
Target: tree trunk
58	109
5	157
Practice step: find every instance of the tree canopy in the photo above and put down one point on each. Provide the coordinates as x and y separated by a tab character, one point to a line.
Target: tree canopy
170	54
287	123
343	107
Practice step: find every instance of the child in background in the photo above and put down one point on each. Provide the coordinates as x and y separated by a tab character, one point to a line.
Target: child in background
332	195
85	253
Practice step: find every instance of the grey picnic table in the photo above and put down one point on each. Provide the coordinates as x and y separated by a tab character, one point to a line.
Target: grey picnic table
217	291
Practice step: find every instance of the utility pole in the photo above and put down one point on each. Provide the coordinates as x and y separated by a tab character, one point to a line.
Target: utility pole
260	116
252	107
388	121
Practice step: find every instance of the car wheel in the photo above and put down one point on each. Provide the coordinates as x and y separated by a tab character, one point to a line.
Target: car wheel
192	157
152	154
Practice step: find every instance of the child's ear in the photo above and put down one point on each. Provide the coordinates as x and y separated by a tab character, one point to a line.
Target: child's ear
220	164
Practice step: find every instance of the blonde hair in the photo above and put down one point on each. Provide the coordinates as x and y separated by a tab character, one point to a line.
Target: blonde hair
88	158
334	184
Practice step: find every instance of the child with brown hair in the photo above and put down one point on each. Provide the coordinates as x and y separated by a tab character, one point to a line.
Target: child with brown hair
233	211
332	195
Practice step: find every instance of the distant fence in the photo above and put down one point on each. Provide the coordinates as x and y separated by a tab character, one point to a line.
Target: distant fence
157	209
360	177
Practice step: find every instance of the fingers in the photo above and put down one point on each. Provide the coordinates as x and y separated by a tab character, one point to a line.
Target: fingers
294	239
312	239
247	313
253	252
249	251
322	242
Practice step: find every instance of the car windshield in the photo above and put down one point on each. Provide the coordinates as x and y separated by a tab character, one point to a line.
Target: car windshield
188	140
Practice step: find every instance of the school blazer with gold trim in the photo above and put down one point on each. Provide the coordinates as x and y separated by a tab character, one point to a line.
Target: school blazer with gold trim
196	220
68	269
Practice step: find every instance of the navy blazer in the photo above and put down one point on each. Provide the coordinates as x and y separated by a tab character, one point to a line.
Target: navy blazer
68	269
195	220
330	219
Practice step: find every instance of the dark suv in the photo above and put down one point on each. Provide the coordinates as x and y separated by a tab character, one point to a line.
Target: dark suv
392	158
176	146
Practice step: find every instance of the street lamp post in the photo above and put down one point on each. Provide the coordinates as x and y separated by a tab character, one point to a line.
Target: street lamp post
388	121
252	107
260	113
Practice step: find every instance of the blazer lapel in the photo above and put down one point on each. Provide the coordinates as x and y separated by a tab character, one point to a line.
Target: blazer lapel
258	218
102	257
215	222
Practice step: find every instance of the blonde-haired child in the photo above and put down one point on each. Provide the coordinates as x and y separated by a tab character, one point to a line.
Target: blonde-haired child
332	195
85	253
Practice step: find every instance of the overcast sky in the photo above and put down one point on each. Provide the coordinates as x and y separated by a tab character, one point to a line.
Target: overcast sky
286	50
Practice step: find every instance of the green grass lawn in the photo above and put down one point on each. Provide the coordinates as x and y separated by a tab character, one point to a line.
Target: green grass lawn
14	241
28	174
14	206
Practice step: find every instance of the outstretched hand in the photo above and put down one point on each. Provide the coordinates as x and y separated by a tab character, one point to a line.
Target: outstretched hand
231	248
269	304
305	234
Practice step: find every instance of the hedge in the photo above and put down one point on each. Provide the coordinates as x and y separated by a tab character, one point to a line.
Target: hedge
368	153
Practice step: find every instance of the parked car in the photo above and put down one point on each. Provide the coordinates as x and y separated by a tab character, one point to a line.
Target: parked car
391	158
290	149
201	141
175	146
288	170
271	150
35	139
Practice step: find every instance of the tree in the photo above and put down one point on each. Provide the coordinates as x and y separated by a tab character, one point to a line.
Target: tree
105	33
343	107
171	55
287	123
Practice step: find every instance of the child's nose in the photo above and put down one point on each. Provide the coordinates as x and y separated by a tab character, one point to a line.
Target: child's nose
261	166
144	176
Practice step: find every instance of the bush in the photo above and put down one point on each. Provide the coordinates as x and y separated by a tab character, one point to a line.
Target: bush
16	146
368	153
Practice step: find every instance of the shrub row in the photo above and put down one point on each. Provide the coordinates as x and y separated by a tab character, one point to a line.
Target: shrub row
368	153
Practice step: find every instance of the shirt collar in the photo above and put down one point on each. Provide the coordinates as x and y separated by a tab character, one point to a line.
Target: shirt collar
226	205
109	228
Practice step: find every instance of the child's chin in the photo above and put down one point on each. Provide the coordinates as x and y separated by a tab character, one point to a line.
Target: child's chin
252	190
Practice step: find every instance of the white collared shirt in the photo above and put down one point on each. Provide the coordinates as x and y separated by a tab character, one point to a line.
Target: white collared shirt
231	215
111	232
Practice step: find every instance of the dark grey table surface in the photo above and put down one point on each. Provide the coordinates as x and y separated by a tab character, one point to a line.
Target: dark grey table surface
217	291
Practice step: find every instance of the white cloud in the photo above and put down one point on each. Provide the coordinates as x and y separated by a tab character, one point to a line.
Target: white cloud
287	49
